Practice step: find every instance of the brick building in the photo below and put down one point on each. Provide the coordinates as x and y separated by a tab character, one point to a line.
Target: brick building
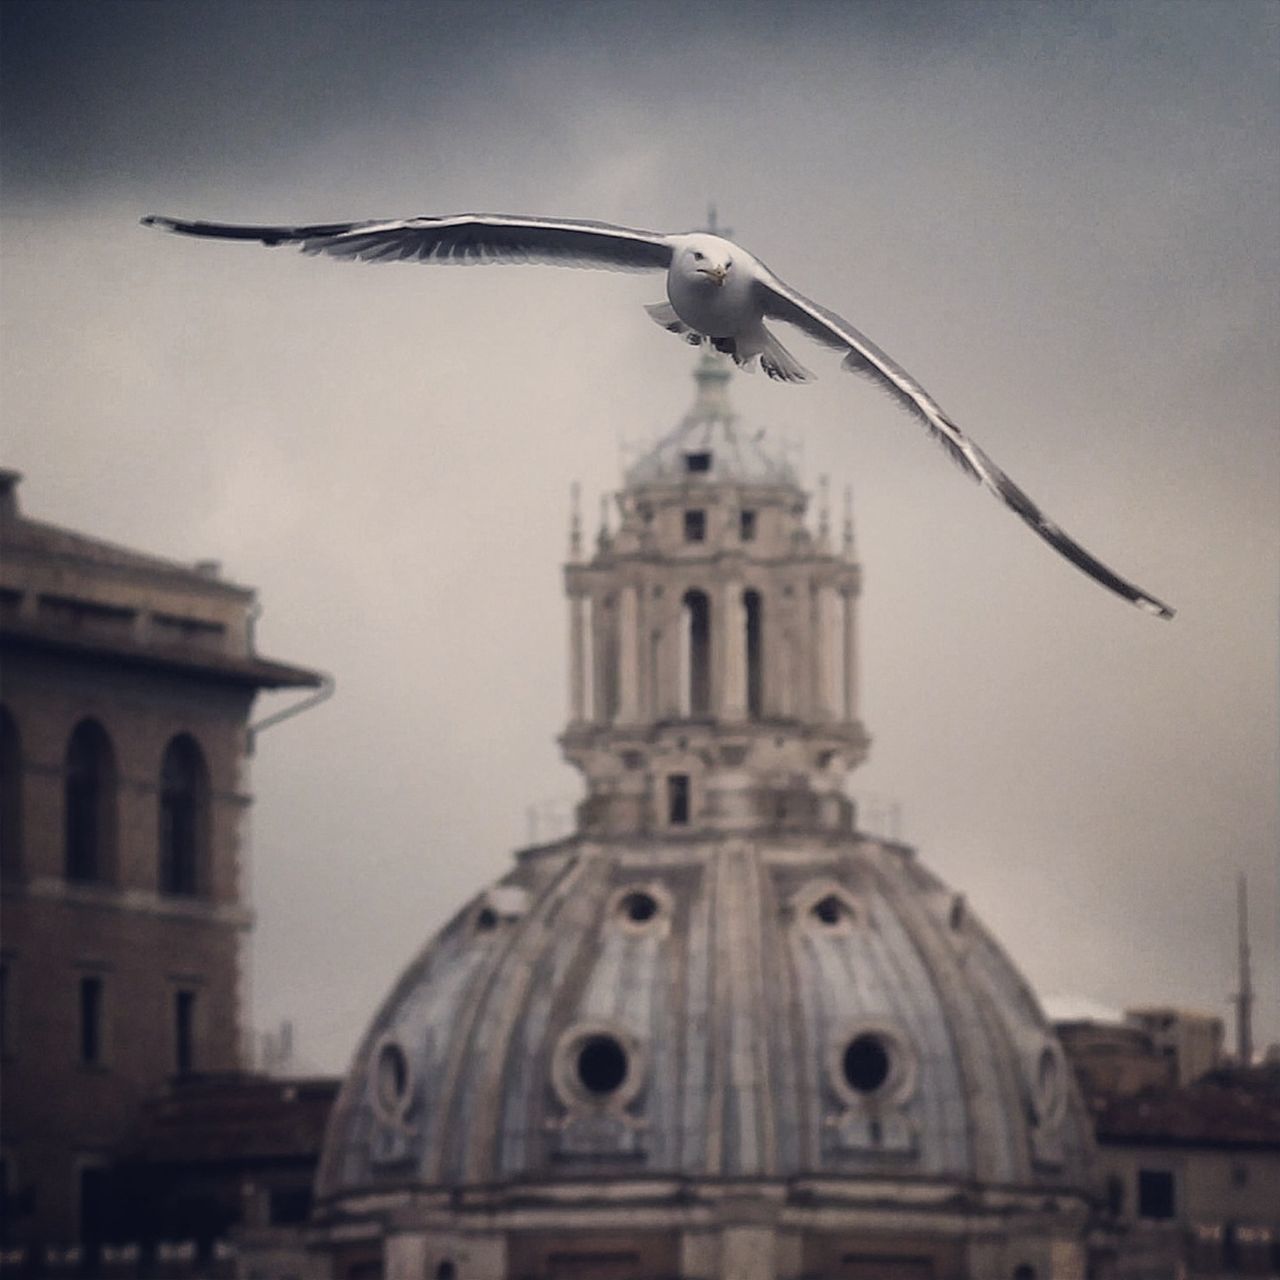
127	687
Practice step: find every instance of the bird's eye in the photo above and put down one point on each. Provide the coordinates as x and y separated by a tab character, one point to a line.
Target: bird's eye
697	256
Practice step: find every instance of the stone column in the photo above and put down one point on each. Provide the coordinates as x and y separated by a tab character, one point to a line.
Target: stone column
779	644
599	662
577	659
731	644
628	656
850	656
664	619
820	640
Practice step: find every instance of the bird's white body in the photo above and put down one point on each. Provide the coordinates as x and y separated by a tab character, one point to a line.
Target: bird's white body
716	292
716	305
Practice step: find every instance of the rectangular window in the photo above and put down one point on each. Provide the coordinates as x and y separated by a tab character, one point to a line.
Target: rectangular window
91	1021
678	799
747	526
184	1031
1155	1193
697	463
695	526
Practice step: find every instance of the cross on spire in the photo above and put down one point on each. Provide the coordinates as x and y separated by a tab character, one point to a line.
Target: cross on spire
713	227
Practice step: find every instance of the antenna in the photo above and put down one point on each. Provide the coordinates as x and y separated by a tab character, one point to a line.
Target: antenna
575	521
1244	997
602	538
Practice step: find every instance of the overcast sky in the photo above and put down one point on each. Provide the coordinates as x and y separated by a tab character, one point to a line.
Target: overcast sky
1060	217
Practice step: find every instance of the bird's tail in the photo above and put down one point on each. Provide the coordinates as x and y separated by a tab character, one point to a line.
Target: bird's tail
780	364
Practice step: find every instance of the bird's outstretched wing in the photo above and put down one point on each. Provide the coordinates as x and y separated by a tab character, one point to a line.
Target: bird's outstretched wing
461	238
779	301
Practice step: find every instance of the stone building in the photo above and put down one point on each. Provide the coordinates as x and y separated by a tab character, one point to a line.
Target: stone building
127	687
1188	1146
1188	1040
717	1032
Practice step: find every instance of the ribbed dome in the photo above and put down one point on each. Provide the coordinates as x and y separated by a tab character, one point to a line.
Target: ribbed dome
708	446
721	1008
716	1033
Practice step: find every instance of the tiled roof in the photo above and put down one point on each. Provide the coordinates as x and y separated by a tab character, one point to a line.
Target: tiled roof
1229	1108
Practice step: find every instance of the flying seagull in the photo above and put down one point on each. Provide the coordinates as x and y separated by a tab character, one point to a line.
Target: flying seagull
717	292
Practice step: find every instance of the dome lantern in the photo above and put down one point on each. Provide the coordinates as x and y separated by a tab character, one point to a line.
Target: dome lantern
713	680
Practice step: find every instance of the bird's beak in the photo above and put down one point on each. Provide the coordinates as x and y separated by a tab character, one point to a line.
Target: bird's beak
717	274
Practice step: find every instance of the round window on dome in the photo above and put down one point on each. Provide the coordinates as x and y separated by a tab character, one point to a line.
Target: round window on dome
601	1065
874	1062
829	910
391	1080
598	1067
866	1063
639	907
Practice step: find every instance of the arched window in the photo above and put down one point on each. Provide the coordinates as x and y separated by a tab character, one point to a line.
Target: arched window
10	796
753	609
184	793
90	804
695	634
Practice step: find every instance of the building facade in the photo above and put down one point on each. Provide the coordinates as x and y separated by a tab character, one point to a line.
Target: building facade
1188	1145
127	687
717	1033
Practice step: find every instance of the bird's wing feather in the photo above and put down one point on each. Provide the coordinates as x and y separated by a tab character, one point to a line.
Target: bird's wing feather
779	301
462	238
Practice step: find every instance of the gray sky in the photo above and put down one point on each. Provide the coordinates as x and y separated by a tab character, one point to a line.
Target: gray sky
1060	218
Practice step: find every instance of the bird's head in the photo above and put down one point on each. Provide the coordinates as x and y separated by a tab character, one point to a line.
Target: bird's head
707	259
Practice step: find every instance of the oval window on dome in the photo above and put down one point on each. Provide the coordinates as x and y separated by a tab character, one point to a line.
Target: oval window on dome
829	910
827	907
597	1066
874	1062
391	1080
866	1062
1050	1085
601	1065
639	907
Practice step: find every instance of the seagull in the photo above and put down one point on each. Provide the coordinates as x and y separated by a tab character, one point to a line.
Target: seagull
717	293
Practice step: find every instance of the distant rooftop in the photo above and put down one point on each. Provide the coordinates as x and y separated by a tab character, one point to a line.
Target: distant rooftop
67	593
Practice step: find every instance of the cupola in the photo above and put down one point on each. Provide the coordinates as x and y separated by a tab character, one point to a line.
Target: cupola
713	642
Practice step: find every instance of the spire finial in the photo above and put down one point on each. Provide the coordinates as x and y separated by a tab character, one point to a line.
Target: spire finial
824	509
575	521
848	522
602	538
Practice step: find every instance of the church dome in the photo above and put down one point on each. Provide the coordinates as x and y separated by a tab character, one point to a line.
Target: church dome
777	1006
717	1032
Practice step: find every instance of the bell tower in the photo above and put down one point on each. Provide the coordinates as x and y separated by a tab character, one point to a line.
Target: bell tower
713	642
